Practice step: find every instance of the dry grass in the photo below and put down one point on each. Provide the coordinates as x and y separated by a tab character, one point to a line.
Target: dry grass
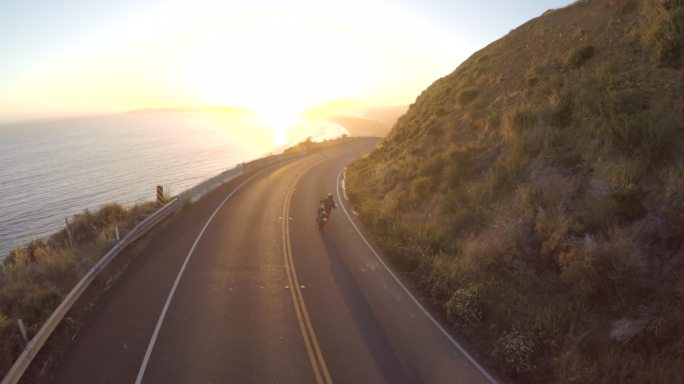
545	213
579	56
35	278
664	32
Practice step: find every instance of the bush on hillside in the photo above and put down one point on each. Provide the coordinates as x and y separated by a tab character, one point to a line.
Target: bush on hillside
579	56
467	96
35	278
664	31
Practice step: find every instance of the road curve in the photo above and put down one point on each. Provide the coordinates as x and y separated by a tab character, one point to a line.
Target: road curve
245	288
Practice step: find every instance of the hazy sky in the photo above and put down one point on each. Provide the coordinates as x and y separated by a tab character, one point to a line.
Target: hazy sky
89	56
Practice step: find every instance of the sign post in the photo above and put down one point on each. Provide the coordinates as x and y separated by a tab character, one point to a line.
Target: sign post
160	195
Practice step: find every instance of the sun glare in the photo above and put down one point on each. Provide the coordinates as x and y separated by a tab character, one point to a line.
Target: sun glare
277	75
280	121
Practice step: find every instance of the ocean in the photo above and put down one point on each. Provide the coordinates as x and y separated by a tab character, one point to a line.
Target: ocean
51	170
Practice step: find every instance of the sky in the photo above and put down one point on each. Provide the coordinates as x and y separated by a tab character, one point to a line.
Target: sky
74	57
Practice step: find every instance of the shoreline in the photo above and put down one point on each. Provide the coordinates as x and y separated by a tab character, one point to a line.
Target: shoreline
36	277
31	213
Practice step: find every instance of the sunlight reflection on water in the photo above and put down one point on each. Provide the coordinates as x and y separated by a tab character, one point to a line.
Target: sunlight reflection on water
51	170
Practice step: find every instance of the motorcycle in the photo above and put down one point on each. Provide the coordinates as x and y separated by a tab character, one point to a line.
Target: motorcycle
323	216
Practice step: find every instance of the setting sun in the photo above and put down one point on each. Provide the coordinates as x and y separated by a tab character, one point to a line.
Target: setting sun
277	74
277	60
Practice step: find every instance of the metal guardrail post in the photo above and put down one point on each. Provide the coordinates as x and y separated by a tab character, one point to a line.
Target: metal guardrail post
37	342
160	195
22	329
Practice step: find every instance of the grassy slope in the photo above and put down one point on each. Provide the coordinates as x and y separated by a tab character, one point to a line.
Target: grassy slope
34	279
536	195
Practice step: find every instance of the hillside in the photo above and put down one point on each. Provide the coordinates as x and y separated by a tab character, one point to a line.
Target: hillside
535	196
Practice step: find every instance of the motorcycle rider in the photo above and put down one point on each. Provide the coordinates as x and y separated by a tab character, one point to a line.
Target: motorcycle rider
329	203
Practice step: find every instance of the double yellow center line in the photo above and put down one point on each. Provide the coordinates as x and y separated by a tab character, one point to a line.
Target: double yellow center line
311	342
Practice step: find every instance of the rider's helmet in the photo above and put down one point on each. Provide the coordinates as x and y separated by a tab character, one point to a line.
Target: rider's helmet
330	195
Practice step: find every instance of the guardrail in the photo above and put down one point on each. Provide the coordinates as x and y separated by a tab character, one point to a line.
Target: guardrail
37	342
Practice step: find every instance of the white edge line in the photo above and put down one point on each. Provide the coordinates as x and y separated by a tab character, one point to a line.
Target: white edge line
446	334
153	340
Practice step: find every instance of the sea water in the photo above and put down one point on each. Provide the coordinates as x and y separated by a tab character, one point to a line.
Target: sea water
51	170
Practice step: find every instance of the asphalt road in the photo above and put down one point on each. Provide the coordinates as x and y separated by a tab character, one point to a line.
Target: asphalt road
245	288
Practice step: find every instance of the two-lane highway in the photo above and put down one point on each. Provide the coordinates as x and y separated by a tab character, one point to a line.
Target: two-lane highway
246	289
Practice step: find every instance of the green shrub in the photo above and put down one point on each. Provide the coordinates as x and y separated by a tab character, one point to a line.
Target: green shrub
432	166
597	212
33	251
628	199
516	350
672	178
5	324
10	342
628	134
463	160
434	126
110	214
35	278
533	75
465	307
522	119
653	138
551	229
467	96
561	109
463	218
499	177
439	280
663	135
664	33
621	171
630	101
579	56
301	146
420	187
